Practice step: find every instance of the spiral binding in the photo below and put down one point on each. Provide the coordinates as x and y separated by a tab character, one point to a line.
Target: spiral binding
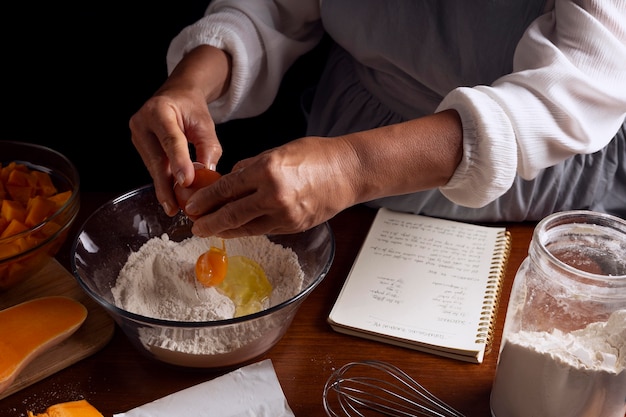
493	291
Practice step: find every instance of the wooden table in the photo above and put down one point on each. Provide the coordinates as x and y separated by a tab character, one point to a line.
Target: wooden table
119	378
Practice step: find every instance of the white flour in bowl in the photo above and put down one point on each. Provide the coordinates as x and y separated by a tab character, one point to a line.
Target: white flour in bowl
577	374
159	281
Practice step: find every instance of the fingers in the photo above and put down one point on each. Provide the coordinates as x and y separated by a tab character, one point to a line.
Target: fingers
287	189
162	131
208	148
173	143
227	202
248	217
157	136
249	202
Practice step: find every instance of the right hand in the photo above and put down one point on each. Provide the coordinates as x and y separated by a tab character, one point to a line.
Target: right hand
176	116
161	131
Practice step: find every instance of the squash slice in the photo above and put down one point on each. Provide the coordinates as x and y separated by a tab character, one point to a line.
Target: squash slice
32	327
80	408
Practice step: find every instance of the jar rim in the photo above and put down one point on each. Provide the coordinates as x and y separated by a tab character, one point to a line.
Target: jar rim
593	219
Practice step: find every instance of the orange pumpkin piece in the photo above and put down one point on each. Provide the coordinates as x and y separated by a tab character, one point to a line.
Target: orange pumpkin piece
6	170
13	246
13	210
20	176
60	198
14	227
3	224
43	184
20	185
30	198
80	408
47	230
11	273
9	249
38	209
32	327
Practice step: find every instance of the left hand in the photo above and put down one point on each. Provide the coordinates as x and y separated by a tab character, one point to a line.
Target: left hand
287	189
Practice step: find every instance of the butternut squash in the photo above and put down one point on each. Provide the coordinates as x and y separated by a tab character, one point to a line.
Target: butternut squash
32	327
13	210
60	198
80	408
21	185
38	209
14	227
28	198
28	195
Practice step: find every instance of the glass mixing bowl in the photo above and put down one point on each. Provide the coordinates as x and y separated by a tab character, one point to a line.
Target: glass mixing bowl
122	225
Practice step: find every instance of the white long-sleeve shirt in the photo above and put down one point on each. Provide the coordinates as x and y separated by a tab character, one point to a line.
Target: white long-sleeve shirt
534	83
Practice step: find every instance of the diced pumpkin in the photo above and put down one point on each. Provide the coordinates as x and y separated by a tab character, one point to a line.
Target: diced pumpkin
21	185
30	198
12	272
31	328
47	229
60	198
43	184
3	224
26	242
10	167
20	176
10	210
8	250
38	209
79	408
14	227
20	193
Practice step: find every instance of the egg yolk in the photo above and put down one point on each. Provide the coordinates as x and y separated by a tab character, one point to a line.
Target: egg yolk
238	277
211	266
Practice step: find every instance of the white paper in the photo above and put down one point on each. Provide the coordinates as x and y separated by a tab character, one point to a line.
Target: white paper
253	390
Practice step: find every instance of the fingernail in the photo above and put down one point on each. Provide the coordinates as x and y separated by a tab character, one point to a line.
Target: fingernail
190	207
212	167
166	207
180	177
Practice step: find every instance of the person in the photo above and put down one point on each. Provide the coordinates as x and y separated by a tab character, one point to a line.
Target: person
482	111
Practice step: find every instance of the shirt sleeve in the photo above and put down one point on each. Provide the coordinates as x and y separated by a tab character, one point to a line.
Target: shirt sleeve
565	96
264	39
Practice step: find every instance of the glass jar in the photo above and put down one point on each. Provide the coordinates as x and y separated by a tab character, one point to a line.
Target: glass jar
563	349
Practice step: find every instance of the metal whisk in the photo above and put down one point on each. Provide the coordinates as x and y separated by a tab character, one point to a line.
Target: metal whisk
392	392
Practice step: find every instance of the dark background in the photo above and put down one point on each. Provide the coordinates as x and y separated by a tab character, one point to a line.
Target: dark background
74	75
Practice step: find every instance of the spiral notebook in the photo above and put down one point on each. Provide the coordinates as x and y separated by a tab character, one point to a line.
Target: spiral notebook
425	283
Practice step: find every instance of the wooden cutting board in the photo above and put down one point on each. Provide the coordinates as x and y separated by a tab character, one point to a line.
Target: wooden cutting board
94	333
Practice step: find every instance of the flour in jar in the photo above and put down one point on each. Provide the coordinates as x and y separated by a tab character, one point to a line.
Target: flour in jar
159	280
556	374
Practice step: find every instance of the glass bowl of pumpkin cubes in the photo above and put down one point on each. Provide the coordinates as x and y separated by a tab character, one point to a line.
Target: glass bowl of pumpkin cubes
195	302
39	201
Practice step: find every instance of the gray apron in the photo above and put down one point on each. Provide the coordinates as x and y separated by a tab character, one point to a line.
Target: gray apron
394	60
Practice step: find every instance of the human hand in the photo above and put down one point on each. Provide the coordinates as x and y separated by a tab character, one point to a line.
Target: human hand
176	116
283	190
161	132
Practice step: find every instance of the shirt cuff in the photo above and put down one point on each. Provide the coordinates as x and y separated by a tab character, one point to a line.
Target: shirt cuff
489	162
231	31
